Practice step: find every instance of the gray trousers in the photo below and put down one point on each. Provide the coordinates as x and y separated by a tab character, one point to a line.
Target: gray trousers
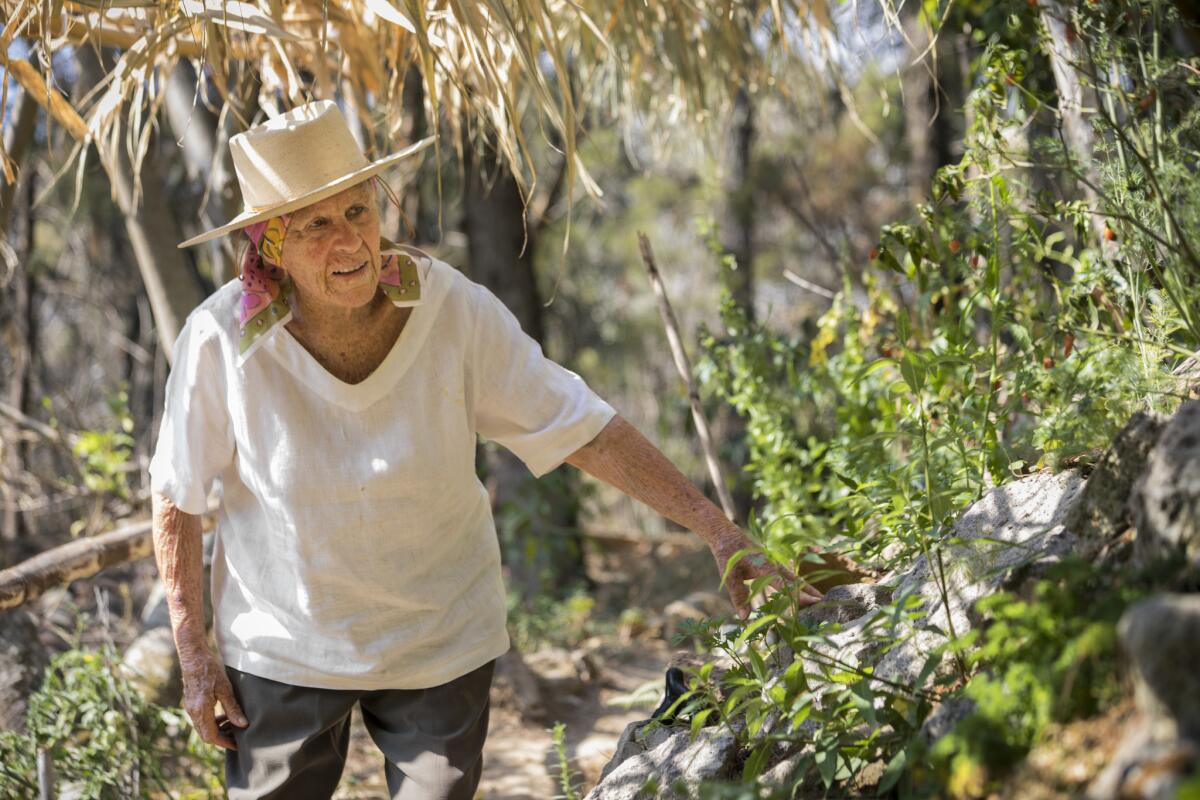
295	745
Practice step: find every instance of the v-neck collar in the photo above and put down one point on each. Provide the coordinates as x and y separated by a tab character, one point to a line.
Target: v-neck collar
287	350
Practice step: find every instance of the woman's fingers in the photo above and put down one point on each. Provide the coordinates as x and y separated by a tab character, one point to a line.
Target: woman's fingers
200	709
224	692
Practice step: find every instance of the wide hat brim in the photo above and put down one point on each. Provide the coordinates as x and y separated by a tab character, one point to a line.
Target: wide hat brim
308	198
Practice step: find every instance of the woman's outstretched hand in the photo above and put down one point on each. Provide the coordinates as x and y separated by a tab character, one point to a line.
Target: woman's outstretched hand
754	565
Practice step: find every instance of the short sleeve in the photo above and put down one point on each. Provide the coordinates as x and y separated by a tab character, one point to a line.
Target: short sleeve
195	439
525	402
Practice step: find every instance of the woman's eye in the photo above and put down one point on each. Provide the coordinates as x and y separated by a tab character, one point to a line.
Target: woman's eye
355	211
319	222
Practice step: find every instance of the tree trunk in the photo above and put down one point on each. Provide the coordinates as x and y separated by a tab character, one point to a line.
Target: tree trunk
18	333
739	200
153	231
1073	98
19	336
549	553
420	209
16	145
929	86
206	160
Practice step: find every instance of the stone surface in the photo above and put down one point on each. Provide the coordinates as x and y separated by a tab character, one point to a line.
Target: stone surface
943	719
1166	499
1144	768
846	603
637	738
22	664
674	767
1102	511
1009	529
562	671
155	613
152	665
1161	636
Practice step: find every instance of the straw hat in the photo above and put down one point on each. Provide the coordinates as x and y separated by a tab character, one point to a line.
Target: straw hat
297	159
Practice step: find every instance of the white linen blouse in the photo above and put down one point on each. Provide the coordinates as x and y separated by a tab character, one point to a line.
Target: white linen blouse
355	546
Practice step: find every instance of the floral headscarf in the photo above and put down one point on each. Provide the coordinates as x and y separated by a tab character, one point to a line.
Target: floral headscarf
267	289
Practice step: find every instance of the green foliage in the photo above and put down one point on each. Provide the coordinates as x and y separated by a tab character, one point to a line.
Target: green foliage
539	535
539	620
105	739
566	776
832	716
1049	658
997	332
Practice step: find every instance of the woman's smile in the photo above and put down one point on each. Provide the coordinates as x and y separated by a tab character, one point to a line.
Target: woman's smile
348	272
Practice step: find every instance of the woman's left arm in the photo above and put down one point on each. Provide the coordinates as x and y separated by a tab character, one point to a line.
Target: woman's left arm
622	457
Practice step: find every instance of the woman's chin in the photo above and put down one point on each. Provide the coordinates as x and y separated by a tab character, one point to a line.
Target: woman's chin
352	294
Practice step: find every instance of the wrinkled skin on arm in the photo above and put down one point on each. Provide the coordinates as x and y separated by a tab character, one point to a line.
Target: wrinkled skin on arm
178	544
621	457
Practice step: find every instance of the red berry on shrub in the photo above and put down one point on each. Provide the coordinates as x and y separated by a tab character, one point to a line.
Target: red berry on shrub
1048	362
955	245
1110	234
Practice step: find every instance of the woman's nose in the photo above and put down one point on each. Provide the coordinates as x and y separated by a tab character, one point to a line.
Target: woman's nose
345	237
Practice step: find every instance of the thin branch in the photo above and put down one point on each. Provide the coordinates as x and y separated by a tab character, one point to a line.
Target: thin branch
685	371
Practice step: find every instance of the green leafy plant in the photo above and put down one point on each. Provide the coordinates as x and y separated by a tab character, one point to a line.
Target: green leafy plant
104	739
566	776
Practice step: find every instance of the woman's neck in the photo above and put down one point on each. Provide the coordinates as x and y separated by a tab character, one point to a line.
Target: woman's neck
332	324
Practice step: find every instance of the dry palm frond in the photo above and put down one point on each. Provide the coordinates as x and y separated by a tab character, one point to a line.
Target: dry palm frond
489	68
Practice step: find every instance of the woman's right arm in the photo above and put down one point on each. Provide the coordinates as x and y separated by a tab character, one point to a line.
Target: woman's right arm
178	546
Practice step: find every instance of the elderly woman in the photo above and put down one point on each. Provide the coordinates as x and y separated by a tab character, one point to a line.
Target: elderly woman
335	390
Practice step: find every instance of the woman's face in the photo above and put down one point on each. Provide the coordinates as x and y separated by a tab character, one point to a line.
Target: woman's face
331	250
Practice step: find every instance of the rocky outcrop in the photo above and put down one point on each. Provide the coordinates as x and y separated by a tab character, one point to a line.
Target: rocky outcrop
1102	512
1161	637
994	543
1166	499
672	767
846	603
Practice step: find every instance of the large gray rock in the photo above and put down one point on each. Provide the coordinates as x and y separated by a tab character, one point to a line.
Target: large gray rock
637	738
945	718
152	665
1144	768
22	664
673	769
1161	636
1166	500
1009	529
1102	511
